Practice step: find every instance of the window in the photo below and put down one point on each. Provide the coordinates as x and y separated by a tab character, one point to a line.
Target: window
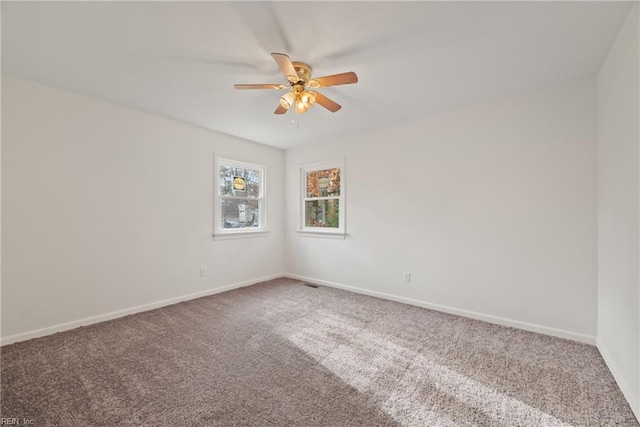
323	208
240	198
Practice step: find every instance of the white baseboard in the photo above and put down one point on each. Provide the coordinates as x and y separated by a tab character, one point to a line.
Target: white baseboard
574	336
127	311
623	384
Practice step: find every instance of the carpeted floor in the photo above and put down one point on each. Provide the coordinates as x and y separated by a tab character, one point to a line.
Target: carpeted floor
283	354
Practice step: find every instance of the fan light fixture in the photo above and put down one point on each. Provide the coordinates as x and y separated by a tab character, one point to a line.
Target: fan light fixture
309	98
299	98
287	100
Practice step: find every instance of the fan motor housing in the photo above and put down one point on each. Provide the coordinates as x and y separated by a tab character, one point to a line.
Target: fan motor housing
303	70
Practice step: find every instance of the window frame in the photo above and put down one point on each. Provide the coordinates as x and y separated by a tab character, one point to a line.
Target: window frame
220	232
334	232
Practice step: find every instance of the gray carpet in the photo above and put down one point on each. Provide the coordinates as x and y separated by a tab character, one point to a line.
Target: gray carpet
283	354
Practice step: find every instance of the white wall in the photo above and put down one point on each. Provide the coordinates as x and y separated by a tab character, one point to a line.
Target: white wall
619	210
105	208
492	209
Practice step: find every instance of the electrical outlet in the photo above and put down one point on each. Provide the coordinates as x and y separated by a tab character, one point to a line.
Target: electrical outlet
203	271
406	277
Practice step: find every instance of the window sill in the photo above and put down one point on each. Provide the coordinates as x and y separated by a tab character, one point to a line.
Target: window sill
323	234
240	234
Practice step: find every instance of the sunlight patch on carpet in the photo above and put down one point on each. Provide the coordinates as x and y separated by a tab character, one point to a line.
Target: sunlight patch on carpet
409	386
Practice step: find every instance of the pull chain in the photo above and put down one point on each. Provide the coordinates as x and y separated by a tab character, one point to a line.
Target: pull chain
294	122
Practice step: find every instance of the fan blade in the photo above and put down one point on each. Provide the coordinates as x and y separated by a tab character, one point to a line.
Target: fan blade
327	103
286	66
335	80
260	86
280	110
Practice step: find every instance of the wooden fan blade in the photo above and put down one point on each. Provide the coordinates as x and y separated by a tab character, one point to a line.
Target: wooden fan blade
286	66
336	79
280	109
260	86
327	103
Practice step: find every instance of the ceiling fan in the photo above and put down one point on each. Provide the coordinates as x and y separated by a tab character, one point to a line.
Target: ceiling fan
299	76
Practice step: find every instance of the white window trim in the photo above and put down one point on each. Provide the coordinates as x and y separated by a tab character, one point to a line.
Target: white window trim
335	233
220	233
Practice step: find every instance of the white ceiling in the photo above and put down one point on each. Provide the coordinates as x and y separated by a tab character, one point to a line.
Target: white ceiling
181	59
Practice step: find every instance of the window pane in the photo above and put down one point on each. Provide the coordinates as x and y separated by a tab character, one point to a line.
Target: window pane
312	184
253	182
322	213
332	178
323	183
226	180
238	213
235	181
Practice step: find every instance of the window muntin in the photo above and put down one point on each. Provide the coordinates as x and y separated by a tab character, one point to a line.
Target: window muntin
240	197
